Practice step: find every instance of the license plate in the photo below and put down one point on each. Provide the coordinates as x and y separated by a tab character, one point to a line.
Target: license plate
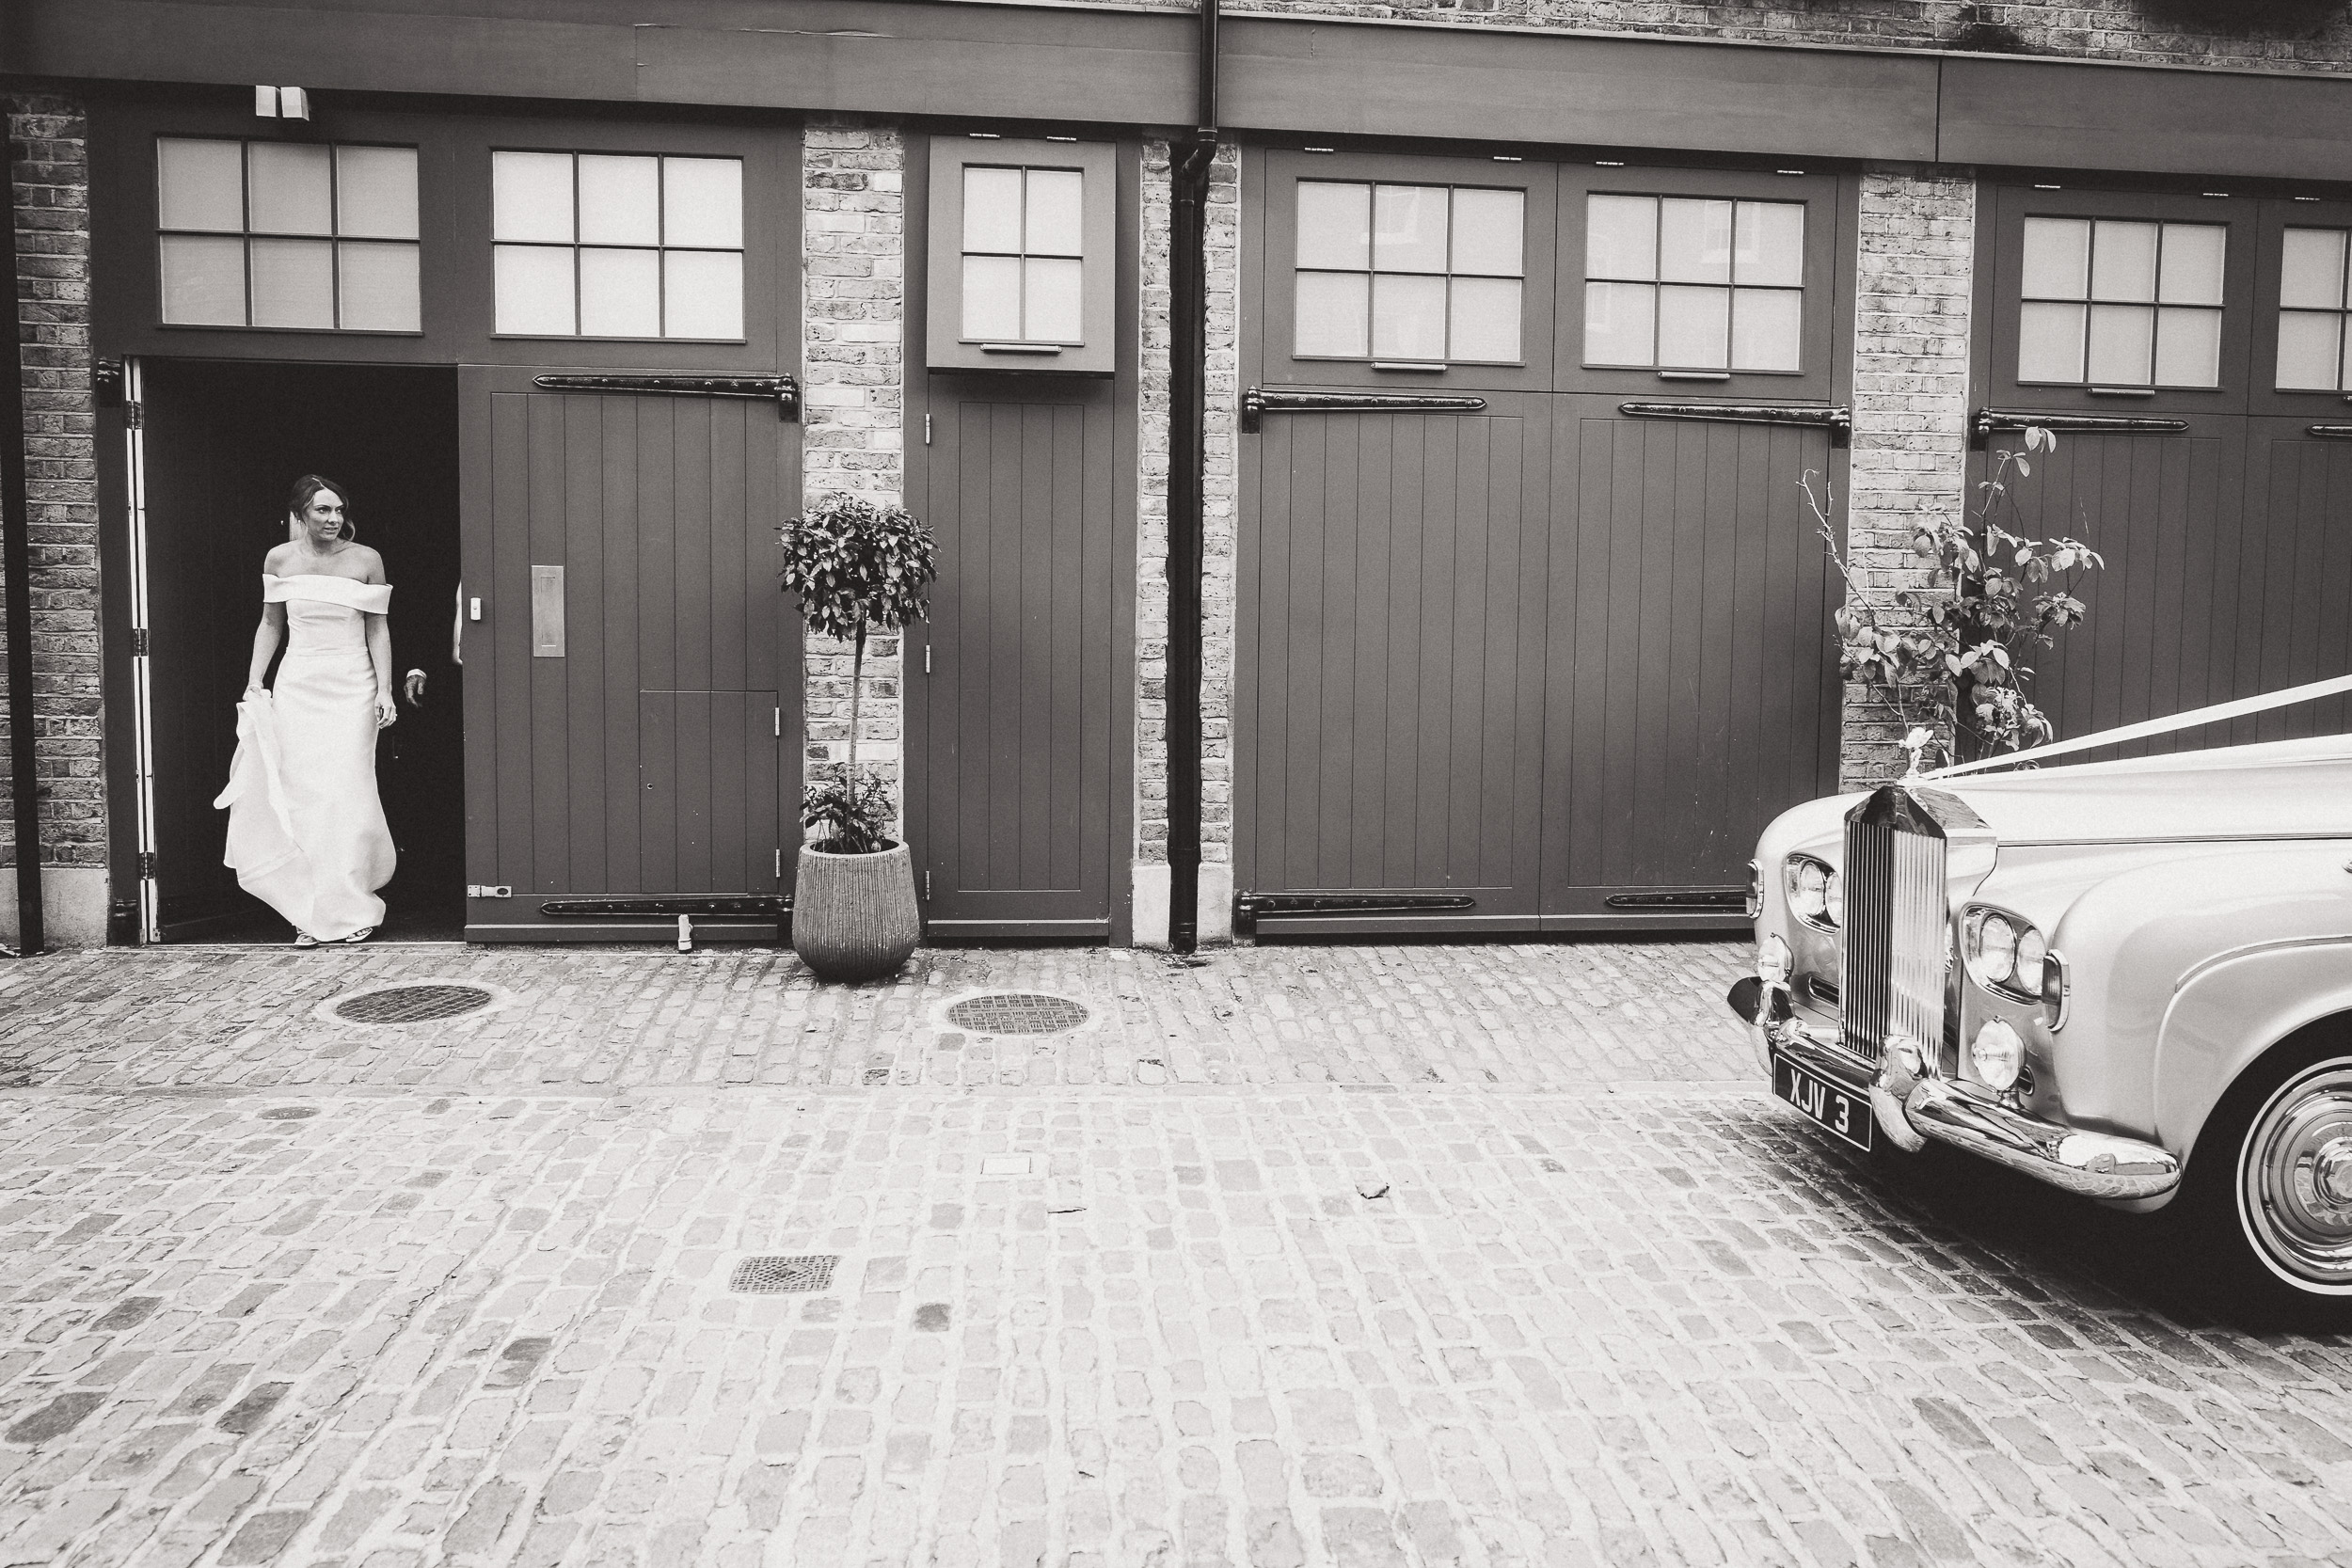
1846	1113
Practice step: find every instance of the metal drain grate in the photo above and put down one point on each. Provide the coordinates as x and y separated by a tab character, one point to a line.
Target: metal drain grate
290	1113
771	1274
1016	1012
412	1003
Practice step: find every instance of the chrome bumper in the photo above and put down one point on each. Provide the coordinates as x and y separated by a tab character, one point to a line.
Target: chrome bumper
1910	1109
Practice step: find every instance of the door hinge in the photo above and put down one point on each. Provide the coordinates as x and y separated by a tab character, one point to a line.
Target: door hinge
926	658
779	723
926	430
926	885
133	417
779	865
147	865
139	645
485	890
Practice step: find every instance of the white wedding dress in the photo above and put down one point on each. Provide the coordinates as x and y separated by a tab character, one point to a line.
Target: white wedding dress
307	833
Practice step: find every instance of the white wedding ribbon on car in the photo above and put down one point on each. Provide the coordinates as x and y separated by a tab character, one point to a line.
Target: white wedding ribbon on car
2218	713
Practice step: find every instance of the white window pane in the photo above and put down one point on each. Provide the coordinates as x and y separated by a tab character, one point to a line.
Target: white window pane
2058	258
705	294
702	202
1695	241
1408	229
1334	224
291	188
991	298
992	210
2050	342
203	279
199	184
2191	271
1486	320
2309	352
1694	327
530	197
2123	261
2189	347
1621	237
2122	340
1333	314
620	292
1769	242
378	284
1620	323
1407	318
620	202
1490	233
294	283
533	291
1049	300
2310	274
1052	217
376	192
1766	329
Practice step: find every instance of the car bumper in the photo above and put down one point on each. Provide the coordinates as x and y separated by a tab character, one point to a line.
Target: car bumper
1909	1110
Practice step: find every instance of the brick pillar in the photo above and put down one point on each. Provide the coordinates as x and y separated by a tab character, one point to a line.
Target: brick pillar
854	400
1914	285
1220	495
49	192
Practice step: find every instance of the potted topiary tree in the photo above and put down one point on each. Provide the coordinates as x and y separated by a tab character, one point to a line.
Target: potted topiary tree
855	565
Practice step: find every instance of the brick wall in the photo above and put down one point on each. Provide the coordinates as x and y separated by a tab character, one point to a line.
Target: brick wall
2293	35
853	398
1150	846
1916	249
49	173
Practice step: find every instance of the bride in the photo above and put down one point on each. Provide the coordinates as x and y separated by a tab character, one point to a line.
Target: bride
307	833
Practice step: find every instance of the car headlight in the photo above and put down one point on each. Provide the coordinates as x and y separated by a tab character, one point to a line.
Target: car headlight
2004	952
1997	1054
1816	895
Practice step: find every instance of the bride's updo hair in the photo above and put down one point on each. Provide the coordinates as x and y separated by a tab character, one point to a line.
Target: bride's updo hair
310	485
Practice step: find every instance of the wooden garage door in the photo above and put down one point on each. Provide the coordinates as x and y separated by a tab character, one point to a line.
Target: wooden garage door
632	686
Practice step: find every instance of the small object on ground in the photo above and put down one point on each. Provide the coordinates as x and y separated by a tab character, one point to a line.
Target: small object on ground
1065	1208
303	939
1371	1189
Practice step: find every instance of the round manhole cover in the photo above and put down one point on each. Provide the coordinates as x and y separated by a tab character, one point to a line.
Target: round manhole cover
412	1003
1016	1012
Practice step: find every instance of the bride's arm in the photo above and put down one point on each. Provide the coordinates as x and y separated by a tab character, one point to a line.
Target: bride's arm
380	654
265	640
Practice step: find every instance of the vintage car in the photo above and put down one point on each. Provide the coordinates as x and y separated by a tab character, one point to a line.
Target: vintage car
2129	979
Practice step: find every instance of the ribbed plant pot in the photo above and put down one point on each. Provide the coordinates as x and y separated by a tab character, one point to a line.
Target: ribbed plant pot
854	916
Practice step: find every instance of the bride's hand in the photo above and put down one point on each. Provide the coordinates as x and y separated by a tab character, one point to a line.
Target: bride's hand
386	711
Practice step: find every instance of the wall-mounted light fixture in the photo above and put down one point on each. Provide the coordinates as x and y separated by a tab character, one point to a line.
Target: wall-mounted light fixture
281	102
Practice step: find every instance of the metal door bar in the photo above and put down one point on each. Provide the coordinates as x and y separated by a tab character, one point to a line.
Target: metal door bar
142	650
1989	419
1257	401
1839	421
783	390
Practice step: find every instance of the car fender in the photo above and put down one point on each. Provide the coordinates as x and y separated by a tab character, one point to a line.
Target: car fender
2232	1009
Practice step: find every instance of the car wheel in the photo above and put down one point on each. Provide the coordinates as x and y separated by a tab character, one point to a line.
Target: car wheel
2270	1184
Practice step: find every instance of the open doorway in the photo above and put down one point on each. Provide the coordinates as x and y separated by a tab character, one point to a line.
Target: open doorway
223	442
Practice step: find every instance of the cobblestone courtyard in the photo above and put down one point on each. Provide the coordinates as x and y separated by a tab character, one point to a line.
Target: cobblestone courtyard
1298	1256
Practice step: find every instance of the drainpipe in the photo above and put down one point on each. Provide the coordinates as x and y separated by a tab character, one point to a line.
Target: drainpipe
1187	462
16	564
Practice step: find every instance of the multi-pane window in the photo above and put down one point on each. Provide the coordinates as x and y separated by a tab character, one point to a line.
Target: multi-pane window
287	235
599	244
1024	254
1690	284
1418	273
2116	302
2313	305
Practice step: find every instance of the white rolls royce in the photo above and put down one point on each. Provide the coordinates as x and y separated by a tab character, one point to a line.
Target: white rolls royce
2131	980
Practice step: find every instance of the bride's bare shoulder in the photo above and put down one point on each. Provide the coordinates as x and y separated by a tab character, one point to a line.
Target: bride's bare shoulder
369	564
279	557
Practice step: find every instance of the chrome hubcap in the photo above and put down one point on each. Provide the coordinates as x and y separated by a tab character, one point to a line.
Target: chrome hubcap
2295	1178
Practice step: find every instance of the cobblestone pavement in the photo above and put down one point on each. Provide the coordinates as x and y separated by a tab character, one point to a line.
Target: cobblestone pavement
1422	1255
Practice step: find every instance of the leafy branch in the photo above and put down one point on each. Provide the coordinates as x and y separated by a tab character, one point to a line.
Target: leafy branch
1956	668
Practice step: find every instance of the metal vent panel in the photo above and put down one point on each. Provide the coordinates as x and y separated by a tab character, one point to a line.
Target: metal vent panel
1017	1013
413	1004
775	1273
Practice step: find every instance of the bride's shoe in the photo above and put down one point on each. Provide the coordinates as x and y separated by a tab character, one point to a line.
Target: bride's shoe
361	935
303	939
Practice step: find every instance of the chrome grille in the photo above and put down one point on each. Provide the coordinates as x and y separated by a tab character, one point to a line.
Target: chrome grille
1891	981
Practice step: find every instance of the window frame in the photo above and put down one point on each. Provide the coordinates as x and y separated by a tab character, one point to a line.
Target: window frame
946	348
662	248
244	235
2015	203
1822	289
1284	168
2276	216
